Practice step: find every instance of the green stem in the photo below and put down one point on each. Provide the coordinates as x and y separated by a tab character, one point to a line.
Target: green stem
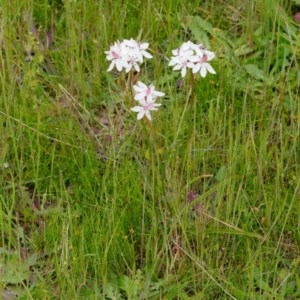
191	129
193	88
192	103
130	85
150	126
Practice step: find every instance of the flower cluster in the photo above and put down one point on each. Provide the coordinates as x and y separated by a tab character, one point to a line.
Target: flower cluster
127	54
146	96
193	56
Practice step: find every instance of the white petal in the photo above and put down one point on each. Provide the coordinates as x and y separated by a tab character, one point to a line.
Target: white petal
194	58
172	62
150	98
210	55
144	46
143	102
138	89
175	52
177	59
119	65
196	68
185	46
151	87
128	68
140	96
158	94
137	68
146	54
199	51
210	68
139	58
147	113
190	65
203	71
142	85
188	53
177	67
137	108
124	57
111	66
131	43
140	115
192	46
183	71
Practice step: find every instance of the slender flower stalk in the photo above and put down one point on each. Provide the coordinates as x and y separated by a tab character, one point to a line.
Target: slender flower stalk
193	86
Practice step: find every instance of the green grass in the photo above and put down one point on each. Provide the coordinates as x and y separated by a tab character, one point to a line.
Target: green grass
94	205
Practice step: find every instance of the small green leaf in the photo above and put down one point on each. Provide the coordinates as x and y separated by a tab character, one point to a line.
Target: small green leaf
125	283
255	72
14	278
31	260
200	23
199	28
243	50
147	154
221	174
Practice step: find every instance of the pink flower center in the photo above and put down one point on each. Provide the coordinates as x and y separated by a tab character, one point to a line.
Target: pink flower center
148	92
148	106
204	59
115	54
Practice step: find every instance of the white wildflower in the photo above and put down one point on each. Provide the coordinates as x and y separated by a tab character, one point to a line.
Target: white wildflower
202	64
192	56
146	96
145	108
143	91
127	54
118	55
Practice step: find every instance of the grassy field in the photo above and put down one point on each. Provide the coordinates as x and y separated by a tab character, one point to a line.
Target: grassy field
97	205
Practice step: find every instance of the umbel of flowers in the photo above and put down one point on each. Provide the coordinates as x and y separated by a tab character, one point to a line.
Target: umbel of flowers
146	96
194	57
127	54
